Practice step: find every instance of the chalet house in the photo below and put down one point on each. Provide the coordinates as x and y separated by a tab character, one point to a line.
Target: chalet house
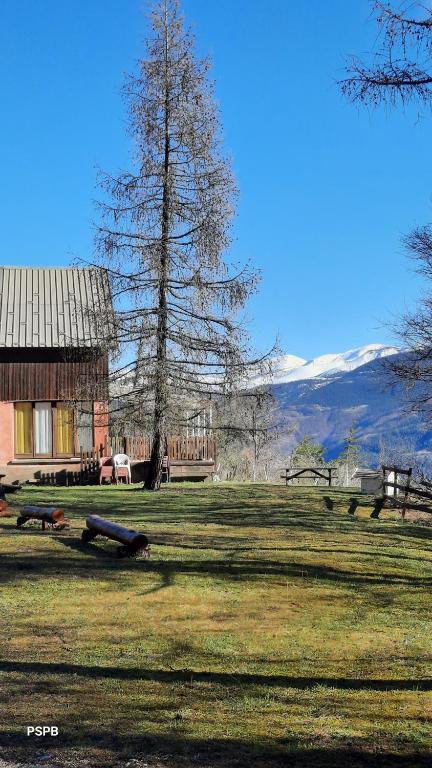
50	354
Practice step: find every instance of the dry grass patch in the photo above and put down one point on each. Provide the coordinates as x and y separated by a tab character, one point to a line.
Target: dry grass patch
264	628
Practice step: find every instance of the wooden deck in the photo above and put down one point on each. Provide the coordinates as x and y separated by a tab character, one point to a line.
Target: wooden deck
191	458
180	449
191	470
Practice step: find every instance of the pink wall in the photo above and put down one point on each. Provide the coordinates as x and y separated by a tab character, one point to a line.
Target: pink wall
6	432
100	423
7	429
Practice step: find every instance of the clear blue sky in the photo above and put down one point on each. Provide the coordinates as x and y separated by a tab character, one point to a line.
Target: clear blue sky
326	190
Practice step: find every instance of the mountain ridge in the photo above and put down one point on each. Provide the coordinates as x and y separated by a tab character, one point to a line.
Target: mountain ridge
326	405
288	368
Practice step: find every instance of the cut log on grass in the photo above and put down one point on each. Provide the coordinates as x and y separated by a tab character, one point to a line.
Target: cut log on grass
52	516
133	542
4	509
9	488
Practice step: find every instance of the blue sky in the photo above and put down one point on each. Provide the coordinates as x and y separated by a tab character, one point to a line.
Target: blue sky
326	190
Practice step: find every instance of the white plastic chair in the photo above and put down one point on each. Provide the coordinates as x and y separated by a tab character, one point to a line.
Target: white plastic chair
121	463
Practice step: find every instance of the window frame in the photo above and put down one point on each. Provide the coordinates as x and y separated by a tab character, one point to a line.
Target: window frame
54	453
23	455
42	455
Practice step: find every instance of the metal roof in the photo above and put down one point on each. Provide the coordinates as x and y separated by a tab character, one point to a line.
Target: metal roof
57	307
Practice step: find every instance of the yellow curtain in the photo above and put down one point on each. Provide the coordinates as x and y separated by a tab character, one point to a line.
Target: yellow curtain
23	429
64	429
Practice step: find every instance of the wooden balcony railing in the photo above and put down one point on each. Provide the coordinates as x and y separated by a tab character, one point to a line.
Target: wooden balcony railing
138	448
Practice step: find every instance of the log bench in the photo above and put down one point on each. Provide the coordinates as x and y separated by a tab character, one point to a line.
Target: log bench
51	516
132	542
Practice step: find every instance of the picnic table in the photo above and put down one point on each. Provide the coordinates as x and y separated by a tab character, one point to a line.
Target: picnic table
324	473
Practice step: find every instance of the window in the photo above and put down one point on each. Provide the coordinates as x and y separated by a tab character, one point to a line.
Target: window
64	432
23	429
84	426
44	429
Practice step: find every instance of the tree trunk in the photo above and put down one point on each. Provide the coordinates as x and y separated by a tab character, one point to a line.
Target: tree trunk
159	443
154	476
255	454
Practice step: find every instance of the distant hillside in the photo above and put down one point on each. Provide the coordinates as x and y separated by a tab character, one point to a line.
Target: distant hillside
325	407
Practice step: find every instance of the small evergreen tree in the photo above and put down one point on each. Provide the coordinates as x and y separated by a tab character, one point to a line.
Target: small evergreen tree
307	453
352	452
351	455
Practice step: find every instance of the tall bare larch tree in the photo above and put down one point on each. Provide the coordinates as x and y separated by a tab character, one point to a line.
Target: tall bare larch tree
399	72
164	232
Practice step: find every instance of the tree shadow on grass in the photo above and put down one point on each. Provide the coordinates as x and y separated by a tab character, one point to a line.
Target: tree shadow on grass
216	678
240	544
103	561
92	548
109	749
258	507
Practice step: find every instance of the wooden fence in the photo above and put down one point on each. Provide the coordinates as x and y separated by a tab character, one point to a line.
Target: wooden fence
403	495
191	448
138	448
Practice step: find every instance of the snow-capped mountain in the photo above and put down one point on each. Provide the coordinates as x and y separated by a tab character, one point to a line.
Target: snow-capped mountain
291	368
353	388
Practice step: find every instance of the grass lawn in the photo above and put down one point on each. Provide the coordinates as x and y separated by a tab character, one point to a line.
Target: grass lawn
264	629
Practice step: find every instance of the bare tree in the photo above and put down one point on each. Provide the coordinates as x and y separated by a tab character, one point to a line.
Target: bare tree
400	70
248	429
400	451
414	328
165	227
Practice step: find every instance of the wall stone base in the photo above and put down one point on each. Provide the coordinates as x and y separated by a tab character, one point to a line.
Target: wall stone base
24	473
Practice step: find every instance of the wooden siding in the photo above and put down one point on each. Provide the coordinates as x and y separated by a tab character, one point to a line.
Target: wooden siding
52	381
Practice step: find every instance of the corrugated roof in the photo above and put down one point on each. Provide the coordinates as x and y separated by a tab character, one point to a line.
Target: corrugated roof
52	307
